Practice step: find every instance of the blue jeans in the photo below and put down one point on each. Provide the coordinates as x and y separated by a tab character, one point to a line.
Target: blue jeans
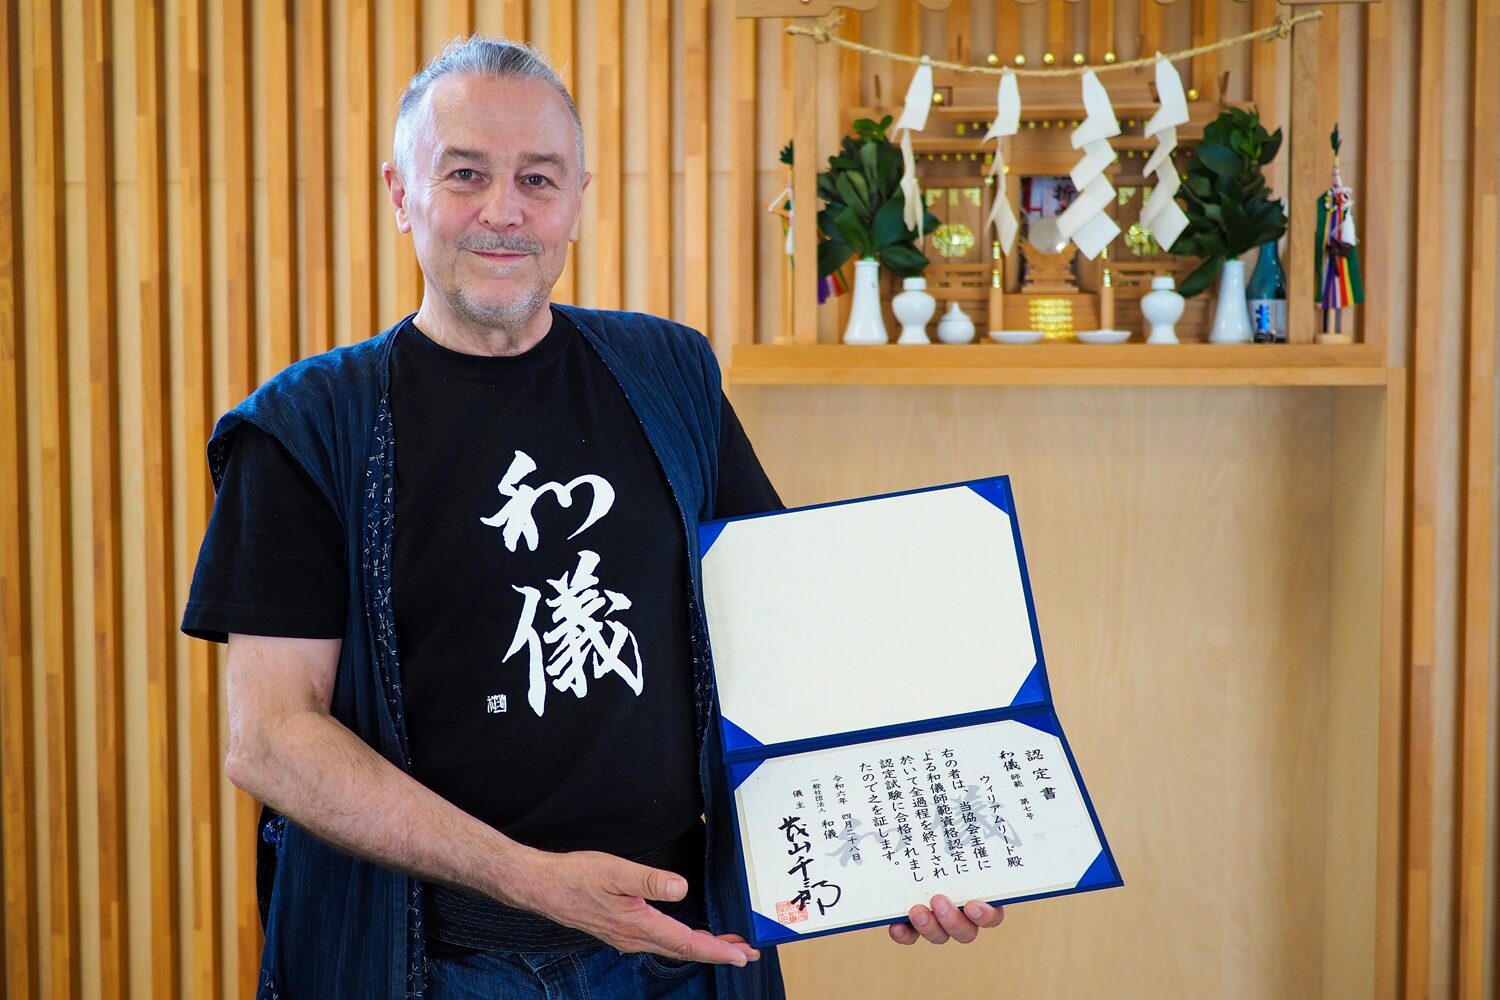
600	974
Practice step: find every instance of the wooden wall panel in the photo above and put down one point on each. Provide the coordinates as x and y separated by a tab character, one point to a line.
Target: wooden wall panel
17	798
233	151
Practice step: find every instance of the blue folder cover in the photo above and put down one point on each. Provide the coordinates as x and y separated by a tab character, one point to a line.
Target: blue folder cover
942	659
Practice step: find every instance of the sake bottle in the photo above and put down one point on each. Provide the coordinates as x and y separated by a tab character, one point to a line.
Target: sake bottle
1266	297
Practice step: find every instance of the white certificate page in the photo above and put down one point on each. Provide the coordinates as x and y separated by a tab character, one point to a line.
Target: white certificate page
858	834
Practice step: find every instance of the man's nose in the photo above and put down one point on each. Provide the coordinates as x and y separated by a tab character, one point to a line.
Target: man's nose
503	208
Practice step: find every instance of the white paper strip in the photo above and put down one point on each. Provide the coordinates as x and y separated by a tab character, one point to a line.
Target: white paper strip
1166	143
1161	214
1007	123
913	213
1007	108
1174	109
918	99
1167	185
914	119
1100	121
1090	202
1095	235
1168	225
1097	158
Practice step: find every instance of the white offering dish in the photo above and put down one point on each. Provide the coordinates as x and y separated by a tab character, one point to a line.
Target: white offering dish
1015	336
1102	336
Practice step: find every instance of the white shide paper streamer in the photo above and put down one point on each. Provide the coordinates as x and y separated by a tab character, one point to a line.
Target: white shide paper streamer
914	119
1007	122
1161	214
1087	222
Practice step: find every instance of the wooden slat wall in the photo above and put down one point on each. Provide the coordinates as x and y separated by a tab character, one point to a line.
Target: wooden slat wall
201	204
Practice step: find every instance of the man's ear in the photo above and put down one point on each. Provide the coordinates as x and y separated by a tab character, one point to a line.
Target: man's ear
582	187
397	190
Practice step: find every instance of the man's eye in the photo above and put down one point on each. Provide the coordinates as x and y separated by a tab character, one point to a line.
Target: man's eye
536	180
464	174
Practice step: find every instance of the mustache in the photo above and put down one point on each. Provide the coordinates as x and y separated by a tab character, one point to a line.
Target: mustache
508	243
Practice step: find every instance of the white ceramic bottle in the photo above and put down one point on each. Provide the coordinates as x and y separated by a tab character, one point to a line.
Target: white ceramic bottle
913	308
866	324
1162	307
955	327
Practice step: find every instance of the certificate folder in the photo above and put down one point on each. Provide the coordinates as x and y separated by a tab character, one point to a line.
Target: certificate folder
887	724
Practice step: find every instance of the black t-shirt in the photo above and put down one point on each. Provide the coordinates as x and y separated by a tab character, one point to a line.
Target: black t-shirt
540	587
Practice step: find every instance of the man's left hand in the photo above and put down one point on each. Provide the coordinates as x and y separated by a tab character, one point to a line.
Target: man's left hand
943	921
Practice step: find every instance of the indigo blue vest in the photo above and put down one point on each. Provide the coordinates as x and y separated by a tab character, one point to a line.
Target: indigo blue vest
340	927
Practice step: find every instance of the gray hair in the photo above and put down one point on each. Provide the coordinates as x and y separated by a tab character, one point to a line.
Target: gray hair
477	54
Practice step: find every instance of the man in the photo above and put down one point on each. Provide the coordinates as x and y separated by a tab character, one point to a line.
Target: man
455	565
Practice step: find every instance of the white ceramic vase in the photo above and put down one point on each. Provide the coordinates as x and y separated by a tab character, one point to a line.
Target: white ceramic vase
913	308
1162	307
866	324
955	327
1231	312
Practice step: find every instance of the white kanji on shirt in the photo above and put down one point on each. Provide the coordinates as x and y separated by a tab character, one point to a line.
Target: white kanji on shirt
515	518
577	639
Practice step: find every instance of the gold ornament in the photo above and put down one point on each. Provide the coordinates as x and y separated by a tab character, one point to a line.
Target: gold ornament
1048	58
953	239
1020	59
1192	93
992	59
1109	57
1078	59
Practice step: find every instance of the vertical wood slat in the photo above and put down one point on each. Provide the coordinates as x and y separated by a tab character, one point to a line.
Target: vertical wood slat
197	417
47	326
606	185
1476	872
1303	185
239	338
1374	213
1008	31
960	47
694	138
279	117
1379	236
1059	30
1327	90
804	284
1101	30
314	186
104	403
17	842
1424	375
458	19
406	34
363	155
658	155
555	22
1150	34
1205	27
741	244
235	128
516	23
161	666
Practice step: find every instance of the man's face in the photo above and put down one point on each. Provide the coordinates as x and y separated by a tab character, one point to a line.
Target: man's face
493	195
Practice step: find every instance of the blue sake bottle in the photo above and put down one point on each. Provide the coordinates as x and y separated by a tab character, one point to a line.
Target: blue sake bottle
1266	297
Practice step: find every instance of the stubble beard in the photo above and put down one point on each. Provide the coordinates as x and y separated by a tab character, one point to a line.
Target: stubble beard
510	316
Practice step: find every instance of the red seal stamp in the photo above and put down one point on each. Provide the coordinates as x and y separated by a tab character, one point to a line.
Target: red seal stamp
788	912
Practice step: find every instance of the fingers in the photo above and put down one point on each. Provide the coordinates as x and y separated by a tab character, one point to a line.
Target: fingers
653	883
958	927
983	914
664	936
904	934
736	939
926	925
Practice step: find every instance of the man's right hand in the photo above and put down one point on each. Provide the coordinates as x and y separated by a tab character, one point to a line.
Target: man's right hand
287	751
607	897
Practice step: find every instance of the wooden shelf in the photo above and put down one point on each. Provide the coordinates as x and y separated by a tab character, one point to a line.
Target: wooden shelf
1068	363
